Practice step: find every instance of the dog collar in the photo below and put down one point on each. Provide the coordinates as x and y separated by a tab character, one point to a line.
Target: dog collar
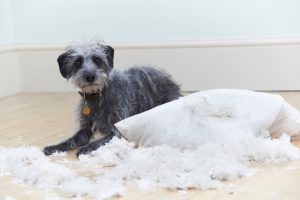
89	95
86	109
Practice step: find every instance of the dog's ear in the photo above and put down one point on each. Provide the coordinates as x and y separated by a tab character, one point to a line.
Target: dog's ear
109	51
63	64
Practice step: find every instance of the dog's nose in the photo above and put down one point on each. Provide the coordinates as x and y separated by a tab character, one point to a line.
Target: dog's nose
90	78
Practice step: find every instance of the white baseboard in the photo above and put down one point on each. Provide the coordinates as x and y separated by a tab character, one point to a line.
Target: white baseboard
270	64
10	77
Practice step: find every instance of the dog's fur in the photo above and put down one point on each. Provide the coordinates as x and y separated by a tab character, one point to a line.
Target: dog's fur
110	94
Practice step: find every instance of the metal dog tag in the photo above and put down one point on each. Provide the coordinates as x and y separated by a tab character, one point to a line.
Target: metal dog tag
86	110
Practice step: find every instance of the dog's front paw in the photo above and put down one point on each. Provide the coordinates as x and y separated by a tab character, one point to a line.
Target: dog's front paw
83	151
50	150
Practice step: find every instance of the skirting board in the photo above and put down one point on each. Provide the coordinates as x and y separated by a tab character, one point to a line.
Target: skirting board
271	64
10	76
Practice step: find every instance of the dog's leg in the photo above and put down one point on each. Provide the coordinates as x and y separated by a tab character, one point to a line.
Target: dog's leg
80	138
98	143
94	145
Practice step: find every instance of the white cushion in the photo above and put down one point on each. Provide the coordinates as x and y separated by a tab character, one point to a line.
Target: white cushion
213	115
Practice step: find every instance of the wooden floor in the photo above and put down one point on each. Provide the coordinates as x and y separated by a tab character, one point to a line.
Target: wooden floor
47	118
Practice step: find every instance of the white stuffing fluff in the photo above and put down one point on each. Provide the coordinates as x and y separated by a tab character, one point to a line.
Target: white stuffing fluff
195	142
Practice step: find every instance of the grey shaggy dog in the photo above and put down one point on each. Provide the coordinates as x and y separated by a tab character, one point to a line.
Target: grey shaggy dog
110	95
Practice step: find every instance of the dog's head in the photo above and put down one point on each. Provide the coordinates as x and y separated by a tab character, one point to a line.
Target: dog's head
88	65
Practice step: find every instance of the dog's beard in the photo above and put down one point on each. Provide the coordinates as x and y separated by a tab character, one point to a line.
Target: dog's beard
92	88
97	86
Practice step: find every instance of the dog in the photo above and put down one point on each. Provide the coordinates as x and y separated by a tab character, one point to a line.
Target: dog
108	95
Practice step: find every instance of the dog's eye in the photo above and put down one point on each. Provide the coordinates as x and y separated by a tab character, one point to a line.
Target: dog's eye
97	60
78	62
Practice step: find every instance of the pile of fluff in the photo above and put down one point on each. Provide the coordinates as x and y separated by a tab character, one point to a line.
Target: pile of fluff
229	141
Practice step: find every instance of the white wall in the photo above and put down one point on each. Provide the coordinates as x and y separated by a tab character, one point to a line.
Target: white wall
6	22
57	21
9	64
225	62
